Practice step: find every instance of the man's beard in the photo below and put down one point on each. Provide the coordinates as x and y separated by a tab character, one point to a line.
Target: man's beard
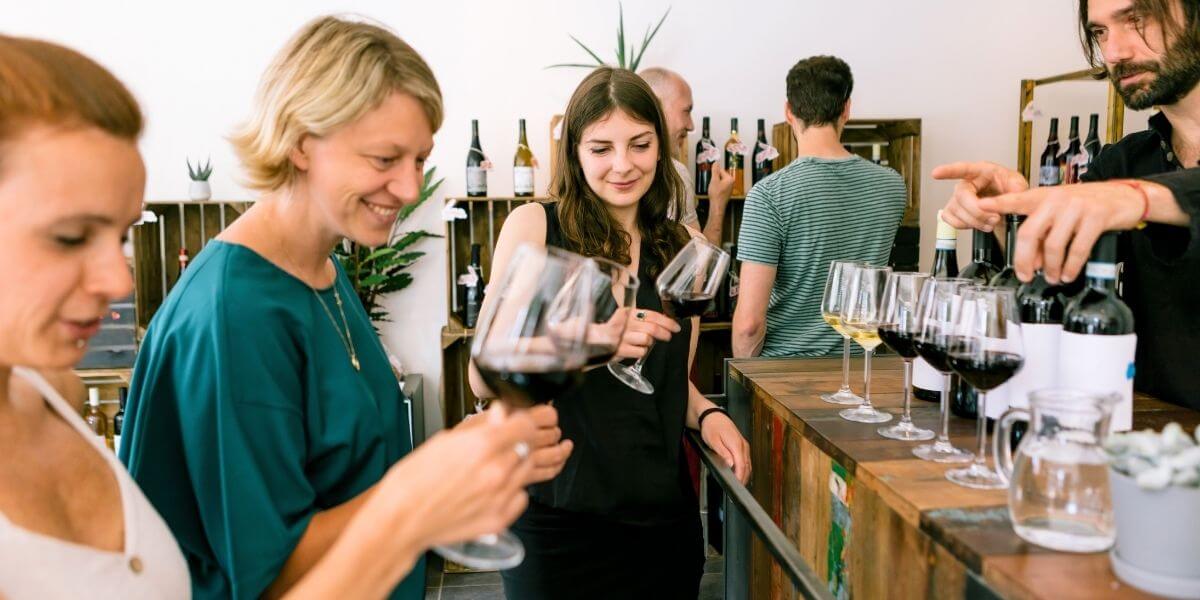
1173	77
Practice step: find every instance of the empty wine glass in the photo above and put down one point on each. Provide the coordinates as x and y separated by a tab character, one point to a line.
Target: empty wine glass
985	351
936	313
898	330
831	308
860	318
687	284
530	347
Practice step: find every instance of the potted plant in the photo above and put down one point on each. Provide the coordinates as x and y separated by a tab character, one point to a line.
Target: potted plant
1155	482
627	58
199	190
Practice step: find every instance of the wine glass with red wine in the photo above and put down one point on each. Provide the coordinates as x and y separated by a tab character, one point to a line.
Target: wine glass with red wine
686	285
898	328
530	347
936	314
986	351
613	300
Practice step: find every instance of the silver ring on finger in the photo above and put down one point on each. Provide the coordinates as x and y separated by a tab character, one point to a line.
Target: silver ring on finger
640	315
522	450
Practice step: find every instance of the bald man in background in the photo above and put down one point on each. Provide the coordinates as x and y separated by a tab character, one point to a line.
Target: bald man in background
675	95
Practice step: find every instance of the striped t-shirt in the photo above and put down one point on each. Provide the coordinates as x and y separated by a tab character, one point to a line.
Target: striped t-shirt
810	213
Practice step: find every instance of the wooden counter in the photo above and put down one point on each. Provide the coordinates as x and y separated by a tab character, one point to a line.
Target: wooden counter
904	531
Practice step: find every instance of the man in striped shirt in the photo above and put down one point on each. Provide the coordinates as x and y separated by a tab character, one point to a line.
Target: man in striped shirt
826	205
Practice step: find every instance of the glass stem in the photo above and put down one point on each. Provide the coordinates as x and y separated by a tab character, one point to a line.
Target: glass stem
867	379
907	418
944	436
845	366
637	366
981	431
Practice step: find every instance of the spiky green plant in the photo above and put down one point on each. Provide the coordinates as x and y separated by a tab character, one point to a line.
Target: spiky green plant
627	58
377	271
199	173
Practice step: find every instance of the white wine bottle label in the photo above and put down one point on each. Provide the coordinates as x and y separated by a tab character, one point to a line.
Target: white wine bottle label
476	180
926	377
523	180
1040	371
1100	363
117	444
1049	176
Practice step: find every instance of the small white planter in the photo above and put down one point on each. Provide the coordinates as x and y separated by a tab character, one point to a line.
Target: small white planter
199	191
1158	537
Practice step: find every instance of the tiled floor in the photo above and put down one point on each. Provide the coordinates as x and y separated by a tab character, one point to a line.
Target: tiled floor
486	586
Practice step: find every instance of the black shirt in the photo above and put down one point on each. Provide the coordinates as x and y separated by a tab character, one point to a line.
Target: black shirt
627	464
1161	279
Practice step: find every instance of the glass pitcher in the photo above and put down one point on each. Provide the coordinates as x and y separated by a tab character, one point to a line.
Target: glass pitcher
1058	494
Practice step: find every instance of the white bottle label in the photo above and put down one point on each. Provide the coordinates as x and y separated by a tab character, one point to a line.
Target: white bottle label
1040	370
117	443
1100	363
476	180
926	377
1050	176
522	180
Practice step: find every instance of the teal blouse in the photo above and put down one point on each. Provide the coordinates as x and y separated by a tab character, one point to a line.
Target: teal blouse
245	417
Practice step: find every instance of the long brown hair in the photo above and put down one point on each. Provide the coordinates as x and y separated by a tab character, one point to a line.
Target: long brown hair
587	226
1159	11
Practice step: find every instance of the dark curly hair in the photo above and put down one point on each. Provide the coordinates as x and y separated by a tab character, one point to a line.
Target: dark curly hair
587	226
1161	11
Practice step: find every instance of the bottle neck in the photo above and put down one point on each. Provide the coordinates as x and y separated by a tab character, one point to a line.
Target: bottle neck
1102	276
1053	138
981	248
522	135
733	128
1010	241
704	129
475	129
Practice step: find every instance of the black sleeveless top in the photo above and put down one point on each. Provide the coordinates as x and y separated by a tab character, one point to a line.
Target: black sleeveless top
627	463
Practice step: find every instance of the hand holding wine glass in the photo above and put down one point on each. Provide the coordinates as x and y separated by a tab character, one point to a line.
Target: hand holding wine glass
687	284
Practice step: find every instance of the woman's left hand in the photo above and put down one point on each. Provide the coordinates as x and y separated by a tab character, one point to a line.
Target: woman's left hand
719	432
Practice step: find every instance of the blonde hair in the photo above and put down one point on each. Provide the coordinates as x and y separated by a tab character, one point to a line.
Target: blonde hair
48	84
330	74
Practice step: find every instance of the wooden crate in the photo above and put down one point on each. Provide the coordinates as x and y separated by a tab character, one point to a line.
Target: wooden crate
181	224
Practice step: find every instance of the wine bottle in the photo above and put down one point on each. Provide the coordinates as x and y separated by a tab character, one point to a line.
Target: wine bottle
964	400
734	159
761	168
927	381
1098	345
118	422
523	166
1091	146
1049	172
476	172
96	420
1007	277
183	260
704	160
1071	156
727	296
473	279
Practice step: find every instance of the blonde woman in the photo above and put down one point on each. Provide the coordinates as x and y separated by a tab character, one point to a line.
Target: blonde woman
263	410
72	522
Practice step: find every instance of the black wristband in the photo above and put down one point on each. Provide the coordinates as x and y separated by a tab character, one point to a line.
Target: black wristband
700	421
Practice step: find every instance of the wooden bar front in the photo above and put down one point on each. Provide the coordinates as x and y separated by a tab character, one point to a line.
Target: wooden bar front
895	528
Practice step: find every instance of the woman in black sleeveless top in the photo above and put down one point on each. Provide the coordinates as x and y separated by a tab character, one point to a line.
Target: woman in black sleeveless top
621	520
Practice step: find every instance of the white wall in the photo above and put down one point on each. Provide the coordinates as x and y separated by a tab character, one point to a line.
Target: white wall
954	64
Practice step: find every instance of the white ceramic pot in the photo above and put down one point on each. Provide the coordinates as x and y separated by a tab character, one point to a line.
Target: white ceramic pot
1158	537
200	191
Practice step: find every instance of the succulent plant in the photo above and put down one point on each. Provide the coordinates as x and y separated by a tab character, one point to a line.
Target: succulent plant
627	58
199	173
1157	460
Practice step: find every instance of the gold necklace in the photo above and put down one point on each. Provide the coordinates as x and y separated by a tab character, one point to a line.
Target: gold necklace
347	339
